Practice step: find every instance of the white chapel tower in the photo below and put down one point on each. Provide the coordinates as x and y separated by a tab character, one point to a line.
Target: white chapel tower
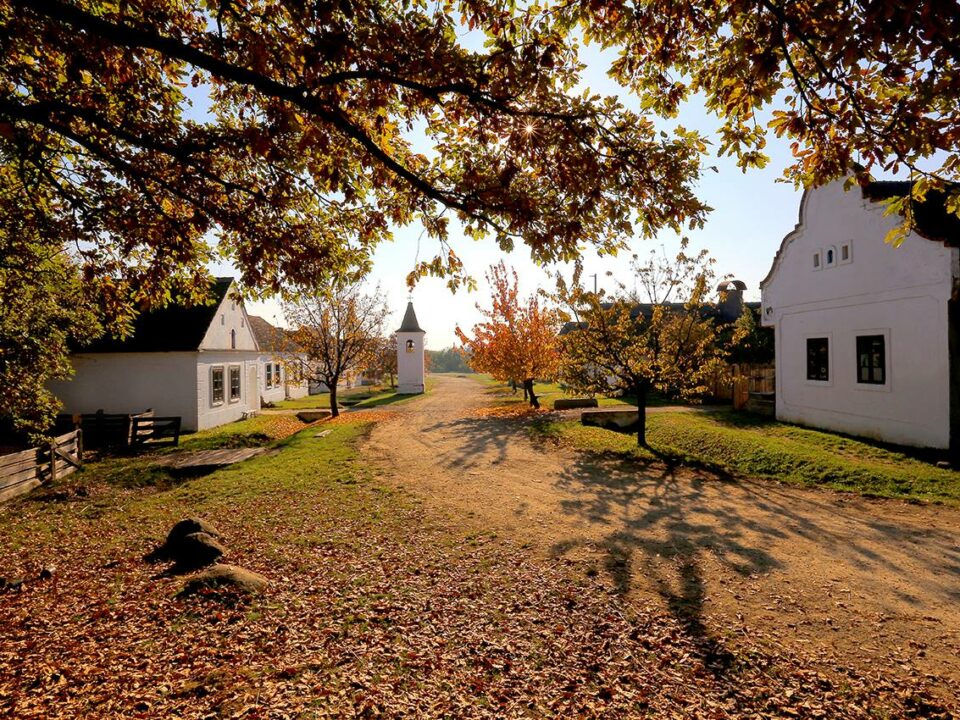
410	368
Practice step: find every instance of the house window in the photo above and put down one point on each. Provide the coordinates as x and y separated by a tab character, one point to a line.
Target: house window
818	359
871	359
277	377
216	386
234	384
845	253
816	260
223	319
269	370
233	339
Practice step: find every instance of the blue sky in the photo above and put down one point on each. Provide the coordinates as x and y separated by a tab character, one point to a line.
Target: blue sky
751	214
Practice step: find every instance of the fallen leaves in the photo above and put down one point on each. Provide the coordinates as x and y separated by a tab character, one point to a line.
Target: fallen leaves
375	608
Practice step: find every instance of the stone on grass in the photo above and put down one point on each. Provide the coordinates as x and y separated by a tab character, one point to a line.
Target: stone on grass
171	547
225	578
197	550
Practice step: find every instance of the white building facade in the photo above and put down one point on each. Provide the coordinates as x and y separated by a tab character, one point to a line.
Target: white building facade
864	329
410	355
200	363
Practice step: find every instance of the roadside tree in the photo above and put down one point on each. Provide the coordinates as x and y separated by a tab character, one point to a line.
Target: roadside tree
518	339
340	328
664	340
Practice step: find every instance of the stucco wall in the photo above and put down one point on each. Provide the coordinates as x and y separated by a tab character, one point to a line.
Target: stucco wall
230	316
900	293
210	414
131	383
286	388
410	369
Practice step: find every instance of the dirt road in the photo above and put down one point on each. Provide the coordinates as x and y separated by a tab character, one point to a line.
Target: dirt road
873	583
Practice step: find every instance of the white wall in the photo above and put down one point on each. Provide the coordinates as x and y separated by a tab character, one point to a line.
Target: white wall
410	369
131	383
209	414
287	388
900	293
230	316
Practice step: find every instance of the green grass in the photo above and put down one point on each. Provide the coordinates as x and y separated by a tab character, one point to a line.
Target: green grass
361	397
548	392
746	446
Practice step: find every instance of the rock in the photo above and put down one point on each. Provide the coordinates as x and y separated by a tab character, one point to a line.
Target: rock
197	550
169	550
47	572
12	583
944	465
225	577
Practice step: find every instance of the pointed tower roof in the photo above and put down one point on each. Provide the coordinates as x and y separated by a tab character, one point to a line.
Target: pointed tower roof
410	323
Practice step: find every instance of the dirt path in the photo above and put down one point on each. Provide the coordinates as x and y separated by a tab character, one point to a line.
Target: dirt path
828	573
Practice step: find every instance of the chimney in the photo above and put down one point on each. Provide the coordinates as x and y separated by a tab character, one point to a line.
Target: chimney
730	303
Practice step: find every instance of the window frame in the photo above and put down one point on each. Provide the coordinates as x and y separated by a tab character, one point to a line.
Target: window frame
277	375
239	372
886	385
268	375
848	247
817	260
828	338
213	398
827	261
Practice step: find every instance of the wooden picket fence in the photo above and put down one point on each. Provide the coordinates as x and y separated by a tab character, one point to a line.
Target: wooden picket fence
736	383
20	472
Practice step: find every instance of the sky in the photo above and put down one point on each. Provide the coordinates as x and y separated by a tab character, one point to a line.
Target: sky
751	214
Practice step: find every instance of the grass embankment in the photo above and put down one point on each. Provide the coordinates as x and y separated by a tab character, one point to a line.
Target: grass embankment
361	397
744	445
548	392
373	610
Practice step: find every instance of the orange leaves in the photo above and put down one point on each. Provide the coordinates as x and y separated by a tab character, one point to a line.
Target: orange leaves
518	339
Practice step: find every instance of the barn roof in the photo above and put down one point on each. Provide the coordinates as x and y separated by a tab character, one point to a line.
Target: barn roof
175	328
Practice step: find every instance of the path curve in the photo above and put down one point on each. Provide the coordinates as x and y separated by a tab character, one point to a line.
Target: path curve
819	570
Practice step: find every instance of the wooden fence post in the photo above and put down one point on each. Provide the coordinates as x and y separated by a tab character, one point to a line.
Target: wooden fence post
53	462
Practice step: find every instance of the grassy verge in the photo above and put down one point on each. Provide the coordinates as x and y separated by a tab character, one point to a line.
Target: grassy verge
548	392
741	445
363	396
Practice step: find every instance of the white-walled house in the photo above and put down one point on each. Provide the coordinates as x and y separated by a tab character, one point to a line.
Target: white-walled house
867	334
201	363
282	363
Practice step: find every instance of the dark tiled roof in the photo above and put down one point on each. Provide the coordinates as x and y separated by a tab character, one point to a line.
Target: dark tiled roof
175	328
931	217
410	323
270	337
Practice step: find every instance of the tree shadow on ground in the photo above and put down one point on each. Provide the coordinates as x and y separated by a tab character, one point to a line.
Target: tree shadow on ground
661	522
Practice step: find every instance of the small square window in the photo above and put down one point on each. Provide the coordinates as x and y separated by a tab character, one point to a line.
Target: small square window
234	384
871	360
216	385
818	359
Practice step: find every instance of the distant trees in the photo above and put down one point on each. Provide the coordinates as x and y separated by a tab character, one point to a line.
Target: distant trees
340	328
630	344
448	360
518	340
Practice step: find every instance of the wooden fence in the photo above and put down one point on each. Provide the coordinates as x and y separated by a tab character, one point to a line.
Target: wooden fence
22	471
122	430
737	382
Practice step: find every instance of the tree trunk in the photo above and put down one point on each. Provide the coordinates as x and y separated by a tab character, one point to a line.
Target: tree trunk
528	389
334	410
642	414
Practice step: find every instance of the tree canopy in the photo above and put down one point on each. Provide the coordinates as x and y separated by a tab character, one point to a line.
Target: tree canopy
627	344
517	341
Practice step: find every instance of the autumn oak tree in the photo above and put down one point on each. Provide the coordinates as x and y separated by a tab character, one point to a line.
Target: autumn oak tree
340	329
142	140
665	340
517	340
